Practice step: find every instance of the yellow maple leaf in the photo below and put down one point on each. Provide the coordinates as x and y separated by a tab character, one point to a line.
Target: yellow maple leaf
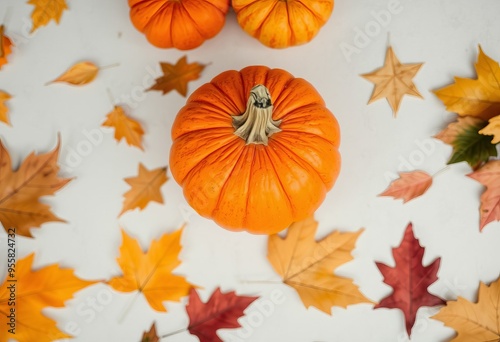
45	11
474	321
475	97
24	295
151	272
308	266
3	108
144	188
79	74
177	76
393	81
493	128
125	127
20	190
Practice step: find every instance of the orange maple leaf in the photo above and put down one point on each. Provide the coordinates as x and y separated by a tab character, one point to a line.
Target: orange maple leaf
144	188
20	190
45	11
24	294
479	322
393	81
151	272
125	127
177	76
475	97
3	108
308	265
489	176
409	186
5	47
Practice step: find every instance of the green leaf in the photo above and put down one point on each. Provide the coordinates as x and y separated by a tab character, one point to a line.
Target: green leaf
472	147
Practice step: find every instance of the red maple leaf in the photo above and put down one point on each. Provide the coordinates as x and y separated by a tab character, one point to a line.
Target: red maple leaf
221	311
409	279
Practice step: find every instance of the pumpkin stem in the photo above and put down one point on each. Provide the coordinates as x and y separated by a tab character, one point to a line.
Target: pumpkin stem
256	124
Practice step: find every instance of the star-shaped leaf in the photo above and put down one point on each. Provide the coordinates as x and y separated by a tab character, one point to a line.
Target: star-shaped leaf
409	279
474	322
151	335
489	176
308	265
151	272
393	81
177	76
475	97
3	108
144	188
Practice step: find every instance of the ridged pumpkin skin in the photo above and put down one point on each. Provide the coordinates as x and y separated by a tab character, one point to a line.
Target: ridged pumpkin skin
254	187
282	23
182	24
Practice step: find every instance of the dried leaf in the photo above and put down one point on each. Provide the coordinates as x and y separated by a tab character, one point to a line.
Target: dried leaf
3	108
468	144
49	286
151	335
493	128
20	190
177	76
480	97
307	265
393	81
221	311
478	322
409	186
409	279
151	272
79	74
489	176
125	127
144	188
5	47
45	11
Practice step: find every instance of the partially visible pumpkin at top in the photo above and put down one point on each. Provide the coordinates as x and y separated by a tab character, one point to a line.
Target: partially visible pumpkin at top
282	23
181	24
255	149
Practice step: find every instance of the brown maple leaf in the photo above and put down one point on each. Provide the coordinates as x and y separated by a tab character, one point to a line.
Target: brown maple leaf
308	266
480	97
393	81
409	186
478	322
409	279
49	286
151	272
125	127
20	190
489	176
3	108
45	11
177	76
144	188
151	335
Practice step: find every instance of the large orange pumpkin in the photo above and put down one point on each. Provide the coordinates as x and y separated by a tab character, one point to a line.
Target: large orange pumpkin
255	149
282	23
183	24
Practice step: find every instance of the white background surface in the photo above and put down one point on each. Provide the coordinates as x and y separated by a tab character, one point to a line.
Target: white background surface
442	33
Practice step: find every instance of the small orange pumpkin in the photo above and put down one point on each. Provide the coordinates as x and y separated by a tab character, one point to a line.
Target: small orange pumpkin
182	24
5	48
255	149
282	23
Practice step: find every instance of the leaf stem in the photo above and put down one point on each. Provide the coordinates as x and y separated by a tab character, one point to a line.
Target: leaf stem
441	171
260	282
109	66
174	333
127	308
